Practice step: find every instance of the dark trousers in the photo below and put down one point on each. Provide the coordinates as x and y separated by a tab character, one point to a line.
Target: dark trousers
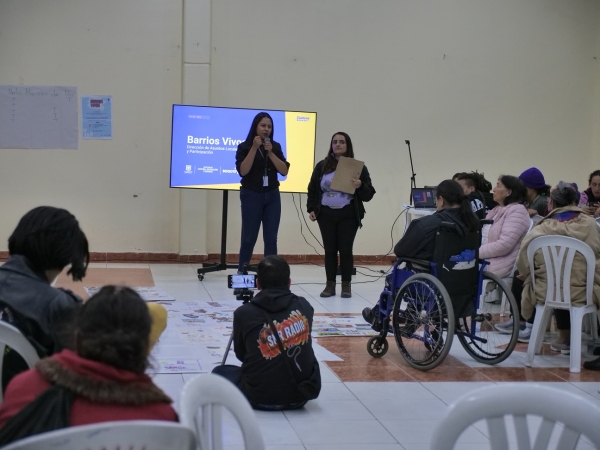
517	292
231	372
338	230
562	316
257	208
234	374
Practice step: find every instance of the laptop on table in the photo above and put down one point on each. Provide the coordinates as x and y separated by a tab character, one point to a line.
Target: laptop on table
423	198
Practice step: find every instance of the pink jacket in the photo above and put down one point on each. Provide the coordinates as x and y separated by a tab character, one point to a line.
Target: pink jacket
504	238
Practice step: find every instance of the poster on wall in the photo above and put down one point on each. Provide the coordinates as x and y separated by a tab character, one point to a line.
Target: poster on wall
38	117
96	117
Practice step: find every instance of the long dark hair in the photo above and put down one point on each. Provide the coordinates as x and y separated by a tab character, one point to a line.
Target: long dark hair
517	188
113	327
50	238
453	194
252	133
330	161
595	173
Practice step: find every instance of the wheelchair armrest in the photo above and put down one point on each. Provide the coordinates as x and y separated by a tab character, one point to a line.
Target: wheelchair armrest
419	262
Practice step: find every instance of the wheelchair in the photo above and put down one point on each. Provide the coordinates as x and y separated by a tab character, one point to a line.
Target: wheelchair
429	302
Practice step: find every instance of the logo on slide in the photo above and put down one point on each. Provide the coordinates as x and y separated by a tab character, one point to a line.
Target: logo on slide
188	169
302	119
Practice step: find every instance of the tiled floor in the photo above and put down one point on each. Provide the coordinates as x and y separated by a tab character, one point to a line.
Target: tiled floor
365	403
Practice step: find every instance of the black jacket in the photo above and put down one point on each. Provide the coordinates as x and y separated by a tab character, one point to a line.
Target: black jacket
265	379
419	239
42	313
364	193
590	195
478	204
489	201
253	180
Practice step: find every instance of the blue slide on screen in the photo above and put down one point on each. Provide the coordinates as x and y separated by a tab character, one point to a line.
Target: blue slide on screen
204	142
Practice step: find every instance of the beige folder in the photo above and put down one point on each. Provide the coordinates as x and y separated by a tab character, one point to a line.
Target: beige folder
347	169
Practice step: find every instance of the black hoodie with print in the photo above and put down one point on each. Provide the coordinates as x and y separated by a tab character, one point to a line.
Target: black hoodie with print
265	378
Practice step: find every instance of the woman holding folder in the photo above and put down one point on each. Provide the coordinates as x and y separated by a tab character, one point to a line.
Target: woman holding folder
338	213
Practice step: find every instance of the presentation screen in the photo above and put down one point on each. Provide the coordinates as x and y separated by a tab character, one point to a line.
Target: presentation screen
204	141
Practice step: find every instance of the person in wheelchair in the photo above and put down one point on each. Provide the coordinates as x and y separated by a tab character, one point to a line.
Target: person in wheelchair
454	207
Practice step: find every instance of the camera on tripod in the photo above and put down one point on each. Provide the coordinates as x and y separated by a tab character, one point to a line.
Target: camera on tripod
243	286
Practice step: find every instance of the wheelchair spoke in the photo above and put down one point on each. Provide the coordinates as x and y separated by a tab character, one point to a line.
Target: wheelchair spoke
478	334
420	321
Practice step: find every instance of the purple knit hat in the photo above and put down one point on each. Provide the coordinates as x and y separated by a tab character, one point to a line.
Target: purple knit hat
533	178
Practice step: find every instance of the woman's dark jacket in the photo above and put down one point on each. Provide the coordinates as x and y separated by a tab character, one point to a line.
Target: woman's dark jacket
364	193
41	312
419	239
253	180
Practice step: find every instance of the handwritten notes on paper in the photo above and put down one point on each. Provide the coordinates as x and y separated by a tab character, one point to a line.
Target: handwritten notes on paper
38	117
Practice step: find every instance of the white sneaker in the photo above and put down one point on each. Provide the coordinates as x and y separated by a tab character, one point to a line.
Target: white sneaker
525	333
505	327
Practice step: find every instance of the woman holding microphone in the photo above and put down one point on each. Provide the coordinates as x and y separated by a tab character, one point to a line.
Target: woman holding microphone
258	160
338	214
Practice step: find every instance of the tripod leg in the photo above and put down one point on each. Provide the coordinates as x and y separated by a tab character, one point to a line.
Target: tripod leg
227	349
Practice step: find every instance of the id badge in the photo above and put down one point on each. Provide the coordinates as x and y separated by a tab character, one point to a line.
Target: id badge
265	181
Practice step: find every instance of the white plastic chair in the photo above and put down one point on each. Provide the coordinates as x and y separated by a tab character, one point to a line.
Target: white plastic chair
535	219
562	412
129	434
11	336
559	252
208	393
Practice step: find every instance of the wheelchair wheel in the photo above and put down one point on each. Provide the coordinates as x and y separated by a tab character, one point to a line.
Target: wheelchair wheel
423	321
478	335
377	346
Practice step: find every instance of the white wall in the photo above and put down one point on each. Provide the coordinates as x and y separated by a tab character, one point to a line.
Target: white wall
474	84
129	49
492	85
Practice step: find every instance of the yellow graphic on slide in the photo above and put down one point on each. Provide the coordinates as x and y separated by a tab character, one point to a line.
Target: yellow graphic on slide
300	133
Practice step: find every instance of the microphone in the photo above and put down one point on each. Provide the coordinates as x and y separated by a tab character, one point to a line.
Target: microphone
407	142
267	139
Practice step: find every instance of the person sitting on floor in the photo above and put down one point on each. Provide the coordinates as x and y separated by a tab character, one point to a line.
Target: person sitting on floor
564	219
45	241
279	371
419	240
102	380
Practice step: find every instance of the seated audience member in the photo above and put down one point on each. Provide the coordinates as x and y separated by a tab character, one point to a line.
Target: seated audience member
483	186
419	240
469	183
103	379
537	191
269	378
518	279
590	198
511	222
45	241
564	219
